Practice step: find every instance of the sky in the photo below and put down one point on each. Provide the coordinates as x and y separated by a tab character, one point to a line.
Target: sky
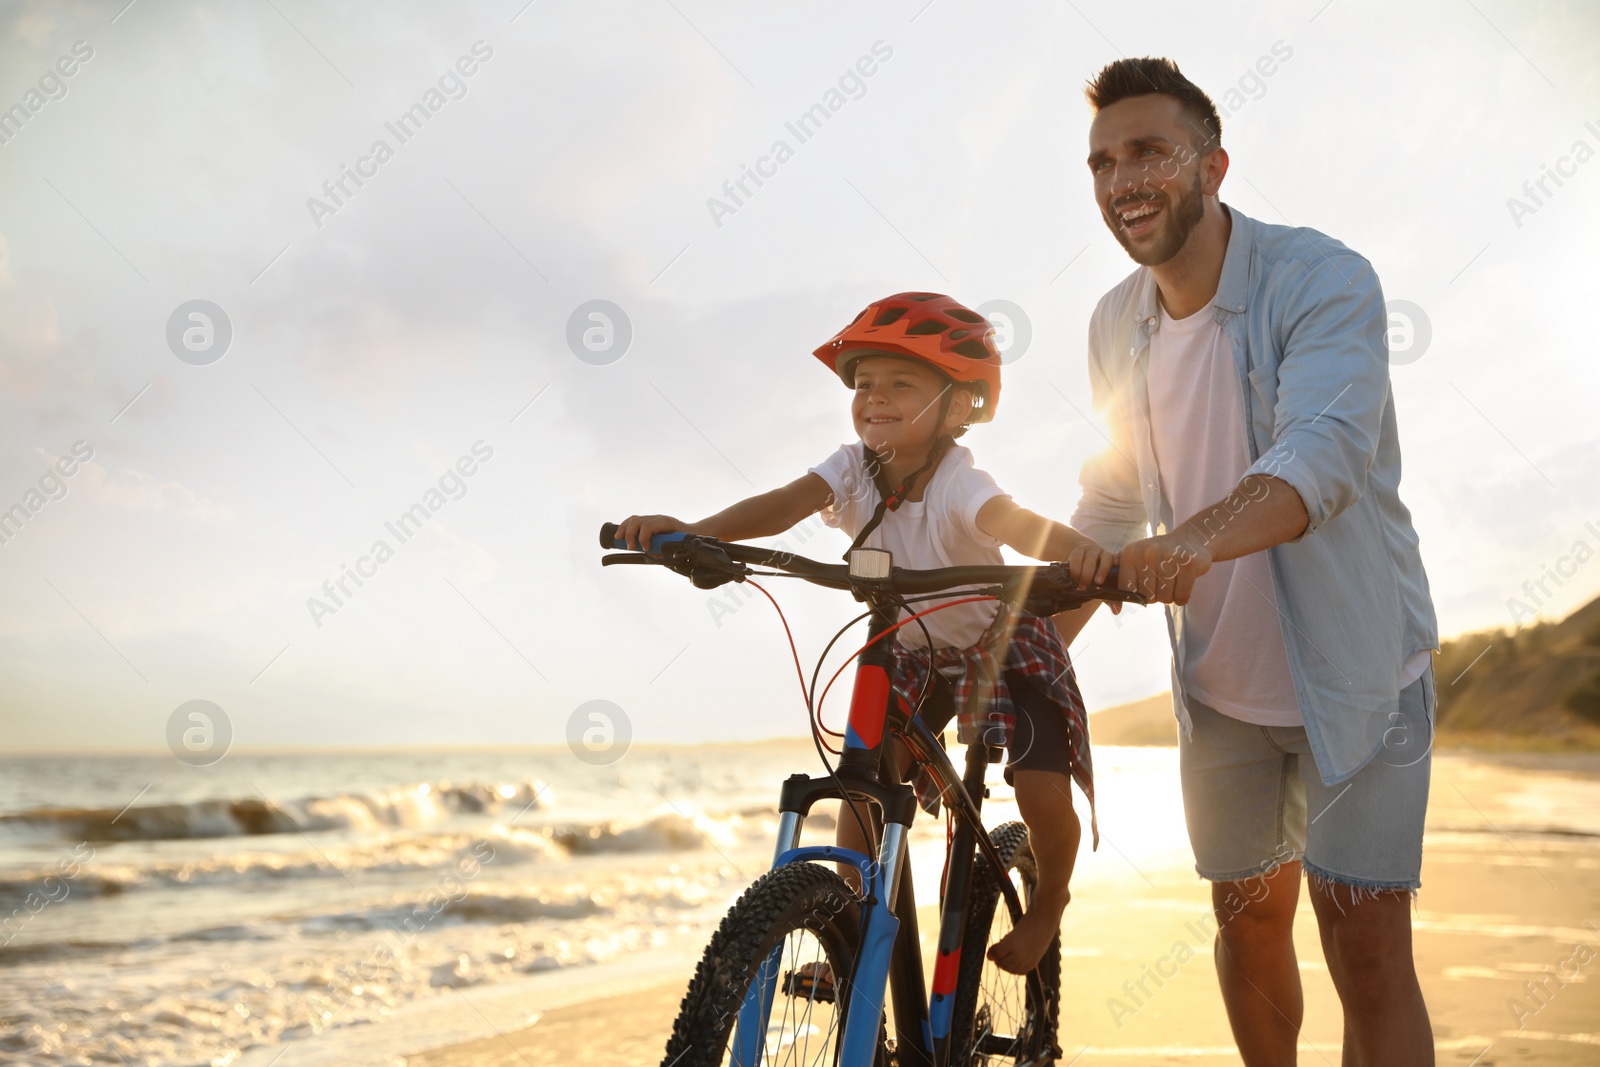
418	335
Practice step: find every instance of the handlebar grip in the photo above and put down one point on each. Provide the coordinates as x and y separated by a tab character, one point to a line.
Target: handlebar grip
1060	568
609	539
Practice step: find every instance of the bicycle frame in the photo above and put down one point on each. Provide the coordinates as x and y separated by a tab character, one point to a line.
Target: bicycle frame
889	957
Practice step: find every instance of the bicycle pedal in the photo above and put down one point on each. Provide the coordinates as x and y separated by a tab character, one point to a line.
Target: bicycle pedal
818	988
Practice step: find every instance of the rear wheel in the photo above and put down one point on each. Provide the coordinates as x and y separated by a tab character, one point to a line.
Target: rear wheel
999	1017
754	998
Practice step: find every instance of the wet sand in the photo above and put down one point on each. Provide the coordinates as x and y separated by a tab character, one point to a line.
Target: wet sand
1510	896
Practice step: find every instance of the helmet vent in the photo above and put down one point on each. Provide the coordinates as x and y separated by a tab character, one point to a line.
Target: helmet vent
970	349
926	326
964	315
956	335
888	315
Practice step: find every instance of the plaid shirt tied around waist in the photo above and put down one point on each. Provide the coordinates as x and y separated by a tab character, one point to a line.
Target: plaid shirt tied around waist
1030	646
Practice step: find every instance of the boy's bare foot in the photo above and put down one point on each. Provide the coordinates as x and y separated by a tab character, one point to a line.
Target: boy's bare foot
1020	951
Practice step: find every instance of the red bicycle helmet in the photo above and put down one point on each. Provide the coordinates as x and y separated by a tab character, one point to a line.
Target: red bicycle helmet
929	327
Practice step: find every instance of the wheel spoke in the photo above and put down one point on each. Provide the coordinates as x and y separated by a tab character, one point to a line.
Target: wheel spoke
790	925
805	1030
1004	1020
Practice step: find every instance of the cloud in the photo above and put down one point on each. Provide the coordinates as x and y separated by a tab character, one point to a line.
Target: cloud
35	23
412	323
30	332
132	490
464	562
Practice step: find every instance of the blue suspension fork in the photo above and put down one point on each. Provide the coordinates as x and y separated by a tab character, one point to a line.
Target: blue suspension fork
891	952
872	962
881	951
874	953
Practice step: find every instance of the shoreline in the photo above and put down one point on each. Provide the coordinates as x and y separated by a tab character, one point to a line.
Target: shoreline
1506	892
1182	1021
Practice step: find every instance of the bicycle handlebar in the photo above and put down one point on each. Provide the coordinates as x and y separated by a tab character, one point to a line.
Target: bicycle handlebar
708	563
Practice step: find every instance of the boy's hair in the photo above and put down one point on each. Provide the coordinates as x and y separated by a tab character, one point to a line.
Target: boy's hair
1148	74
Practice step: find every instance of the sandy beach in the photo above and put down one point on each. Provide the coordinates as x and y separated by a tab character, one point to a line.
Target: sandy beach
1510	896
523	908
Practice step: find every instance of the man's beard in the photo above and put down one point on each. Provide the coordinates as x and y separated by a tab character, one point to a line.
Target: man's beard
1185	216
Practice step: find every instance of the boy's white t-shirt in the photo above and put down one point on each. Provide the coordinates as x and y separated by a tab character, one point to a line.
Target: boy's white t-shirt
940	530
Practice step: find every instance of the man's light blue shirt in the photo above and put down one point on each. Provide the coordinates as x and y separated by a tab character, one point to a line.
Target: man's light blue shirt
1305	319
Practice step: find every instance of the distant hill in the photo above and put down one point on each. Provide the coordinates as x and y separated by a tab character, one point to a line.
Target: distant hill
1537	687
1147	722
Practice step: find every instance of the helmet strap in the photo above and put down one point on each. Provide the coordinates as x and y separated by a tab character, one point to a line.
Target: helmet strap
891	499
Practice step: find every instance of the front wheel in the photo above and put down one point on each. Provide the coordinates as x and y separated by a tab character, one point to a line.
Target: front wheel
1000	1017
754	998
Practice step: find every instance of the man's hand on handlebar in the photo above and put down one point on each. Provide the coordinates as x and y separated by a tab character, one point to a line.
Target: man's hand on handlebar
1163	568
637	530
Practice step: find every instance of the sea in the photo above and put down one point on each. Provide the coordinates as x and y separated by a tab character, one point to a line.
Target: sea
154	913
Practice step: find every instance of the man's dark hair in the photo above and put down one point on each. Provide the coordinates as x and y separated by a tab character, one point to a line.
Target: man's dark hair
1148	74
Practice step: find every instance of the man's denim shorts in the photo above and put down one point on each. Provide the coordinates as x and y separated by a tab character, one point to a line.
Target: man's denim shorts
1253	799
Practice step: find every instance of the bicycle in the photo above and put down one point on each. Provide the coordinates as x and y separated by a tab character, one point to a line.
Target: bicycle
802	913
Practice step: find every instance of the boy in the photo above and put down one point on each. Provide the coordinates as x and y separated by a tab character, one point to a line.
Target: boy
923	368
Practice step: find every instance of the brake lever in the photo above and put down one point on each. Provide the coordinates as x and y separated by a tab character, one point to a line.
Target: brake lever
706	568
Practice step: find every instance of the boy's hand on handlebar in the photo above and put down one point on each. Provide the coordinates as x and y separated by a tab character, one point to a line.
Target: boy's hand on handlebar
1090	565
637	530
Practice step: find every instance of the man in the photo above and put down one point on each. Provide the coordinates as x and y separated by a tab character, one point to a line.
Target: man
1243	372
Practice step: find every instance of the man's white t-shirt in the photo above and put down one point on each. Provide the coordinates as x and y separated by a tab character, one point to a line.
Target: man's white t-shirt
1235	657
940	530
